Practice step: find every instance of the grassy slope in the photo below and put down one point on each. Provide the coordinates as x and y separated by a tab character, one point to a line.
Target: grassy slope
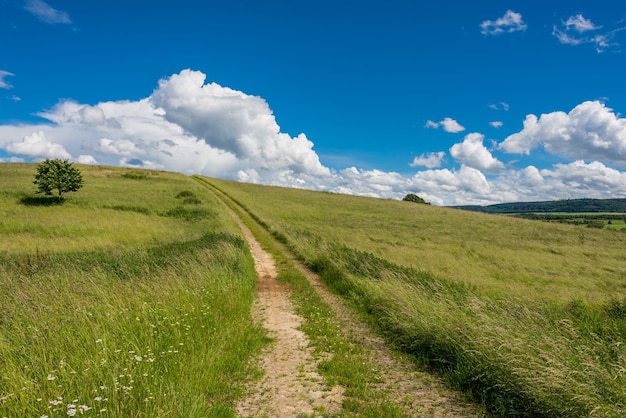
528	317
126	300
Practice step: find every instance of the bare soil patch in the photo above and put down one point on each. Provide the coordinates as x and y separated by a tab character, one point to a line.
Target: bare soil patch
291	385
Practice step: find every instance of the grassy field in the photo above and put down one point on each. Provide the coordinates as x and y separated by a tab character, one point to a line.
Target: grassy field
528	317
130	299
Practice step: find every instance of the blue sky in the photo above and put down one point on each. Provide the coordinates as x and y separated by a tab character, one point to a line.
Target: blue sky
460	102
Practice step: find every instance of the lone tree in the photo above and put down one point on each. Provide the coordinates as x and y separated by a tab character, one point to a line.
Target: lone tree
59	175
411	197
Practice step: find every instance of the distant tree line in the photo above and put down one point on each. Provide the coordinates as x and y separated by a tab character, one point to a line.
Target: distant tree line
564	206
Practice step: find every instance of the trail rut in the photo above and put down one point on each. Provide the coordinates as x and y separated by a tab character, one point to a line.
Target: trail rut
291	385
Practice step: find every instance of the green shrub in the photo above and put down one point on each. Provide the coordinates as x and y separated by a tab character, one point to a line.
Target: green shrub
188	214
185	193
135	175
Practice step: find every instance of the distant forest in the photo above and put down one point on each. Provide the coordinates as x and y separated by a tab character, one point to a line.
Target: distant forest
560	206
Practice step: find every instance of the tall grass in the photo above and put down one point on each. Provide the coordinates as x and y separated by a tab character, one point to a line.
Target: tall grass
110	211
342	361
156	326
527	317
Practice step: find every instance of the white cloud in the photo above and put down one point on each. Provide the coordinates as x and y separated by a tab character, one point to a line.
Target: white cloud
192	127
448	124
37	145
472	153
12	160
499	106
121	147
510	22
574	180
496	124
452	126
429	160
46	13
580	179
3	83
235	122
571	33
589	131
86	159
580	24
183	126
452	187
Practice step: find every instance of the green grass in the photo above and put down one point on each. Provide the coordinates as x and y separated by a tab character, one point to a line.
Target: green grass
107	309
342	360
527	317
112	210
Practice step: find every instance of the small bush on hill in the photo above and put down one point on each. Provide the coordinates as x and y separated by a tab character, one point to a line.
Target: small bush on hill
411	197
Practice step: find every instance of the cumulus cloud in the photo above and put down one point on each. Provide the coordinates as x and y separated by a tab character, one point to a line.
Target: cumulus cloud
3	83
86	159
510	22
589	131
452	187
235	122
184	125
581	179
496	124
189	126
448	125
472	152
429	160
37	145
44	12
574	180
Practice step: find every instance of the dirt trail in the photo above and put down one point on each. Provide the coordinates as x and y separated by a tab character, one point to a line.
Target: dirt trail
291	386
419	393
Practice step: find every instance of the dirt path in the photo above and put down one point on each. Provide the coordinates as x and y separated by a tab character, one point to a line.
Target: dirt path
291	385
418	392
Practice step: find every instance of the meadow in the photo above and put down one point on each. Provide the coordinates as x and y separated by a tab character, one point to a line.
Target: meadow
131	298
527	317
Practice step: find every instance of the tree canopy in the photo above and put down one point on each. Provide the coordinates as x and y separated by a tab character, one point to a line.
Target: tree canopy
411	197
57	175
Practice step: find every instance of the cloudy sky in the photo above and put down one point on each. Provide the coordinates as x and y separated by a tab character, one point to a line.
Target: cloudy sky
459	102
